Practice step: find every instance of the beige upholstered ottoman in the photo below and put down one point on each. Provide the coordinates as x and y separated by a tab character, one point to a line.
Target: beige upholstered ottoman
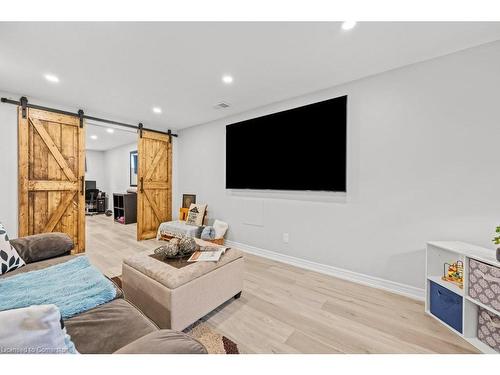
176	295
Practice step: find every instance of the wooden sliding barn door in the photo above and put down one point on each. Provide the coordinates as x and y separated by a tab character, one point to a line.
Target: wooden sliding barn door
154	193
51	175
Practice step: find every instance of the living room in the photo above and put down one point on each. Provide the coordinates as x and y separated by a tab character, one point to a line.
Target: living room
250	187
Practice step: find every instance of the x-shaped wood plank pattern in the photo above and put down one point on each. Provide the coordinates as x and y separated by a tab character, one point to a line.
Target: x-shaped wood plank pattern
37	124
149	175
52	185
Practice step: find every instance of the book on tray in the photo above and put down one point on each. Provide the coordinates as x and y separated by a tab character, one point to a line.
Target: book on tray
208	254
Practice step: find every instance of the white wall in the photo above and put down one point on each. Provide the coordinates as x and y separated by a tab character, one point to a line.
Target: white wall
96	168
116	165
423	158
8	166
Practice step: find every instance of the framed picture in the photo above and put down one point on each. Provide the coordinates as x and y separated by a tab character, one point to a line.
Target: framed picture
133	168
187	199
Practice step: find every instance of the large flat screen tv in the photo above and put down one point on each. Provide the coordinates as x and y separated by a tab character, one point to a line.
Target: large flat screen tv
299	149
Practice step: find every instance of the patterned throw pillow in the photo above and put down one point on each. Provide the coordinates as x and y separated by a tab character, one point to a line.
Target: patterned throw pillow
196	214
9	258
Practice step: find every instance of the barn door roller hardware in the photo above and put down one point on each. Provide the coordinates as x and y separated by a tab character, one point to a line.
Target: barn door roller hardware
23	103
81	114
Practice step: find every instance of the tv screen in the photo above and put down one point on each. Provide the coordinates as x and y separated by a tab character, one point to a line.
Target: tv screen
299	149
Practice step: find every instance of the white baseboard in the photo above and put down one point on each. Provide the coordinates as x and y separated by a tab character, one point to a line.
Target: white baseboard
375	282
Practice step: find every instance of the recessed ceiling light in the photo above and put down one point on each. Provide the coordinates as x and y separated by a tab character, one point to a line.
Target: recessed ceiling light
110	130
348	25
93	137
51	78
227	79
156	109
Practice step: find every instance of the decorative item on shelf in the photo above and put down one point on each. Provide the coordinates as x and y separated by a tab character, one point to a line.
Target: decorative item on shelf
496	241
454	273
188	200
183	213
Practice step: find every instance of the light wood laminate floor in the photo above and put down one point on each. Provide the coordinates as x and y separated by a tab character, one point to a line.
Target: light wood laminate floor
285	309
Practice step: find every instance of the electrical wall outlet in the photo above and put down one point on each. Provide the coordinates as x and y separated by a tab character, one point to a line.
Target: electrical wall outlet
286	237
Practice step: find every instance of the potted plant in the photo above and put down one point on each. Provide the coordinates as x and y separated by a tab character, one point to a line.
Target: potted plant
496	241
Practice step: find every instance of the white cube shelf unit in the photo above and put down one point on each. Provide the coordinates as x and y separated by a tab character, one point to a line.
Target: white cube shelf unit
440	252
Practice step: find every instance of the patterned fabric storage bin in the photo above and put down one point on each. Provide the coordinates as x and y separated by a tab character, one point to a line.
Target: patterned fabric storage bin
484	283
446	305
488	328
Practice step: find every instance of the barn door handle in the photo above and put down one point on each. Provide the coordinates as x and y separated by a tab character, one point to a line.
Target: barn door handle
82	181
142	184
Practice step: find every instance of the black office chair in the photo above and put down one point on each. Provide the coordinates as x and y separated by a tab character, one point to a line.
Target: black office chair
91	201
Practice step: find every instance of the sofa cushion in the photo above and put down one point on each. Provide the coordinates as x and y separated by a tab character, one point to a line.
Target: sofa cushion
109	327
42	246
38	265
9	258
164	341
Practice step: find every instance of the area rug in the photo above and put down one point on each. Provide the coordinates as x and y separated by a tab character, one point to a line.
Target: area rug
213	341
201	331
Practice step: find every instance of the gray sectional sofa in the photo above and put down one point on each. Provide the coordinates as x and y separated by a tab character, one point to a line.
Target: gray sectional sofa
114	327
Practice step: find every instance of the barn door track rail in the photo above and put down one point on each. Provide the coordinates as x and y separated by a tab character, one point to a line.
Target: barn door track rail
23	103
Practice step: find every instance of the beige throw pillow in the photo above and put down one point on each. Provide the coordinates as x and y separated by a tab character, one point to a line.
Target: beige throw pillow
196	214
36	329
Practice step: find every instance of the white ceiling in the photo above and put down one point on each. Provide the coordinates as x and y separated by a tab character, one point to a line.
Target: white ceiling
122	70
107	141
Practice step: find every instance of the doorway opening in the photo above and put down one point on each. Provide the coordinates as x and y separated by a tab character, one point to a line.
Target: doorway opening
111	163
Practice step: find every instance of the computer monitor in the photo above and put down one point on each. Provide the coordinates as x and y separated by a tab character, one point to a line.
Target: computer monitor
90	185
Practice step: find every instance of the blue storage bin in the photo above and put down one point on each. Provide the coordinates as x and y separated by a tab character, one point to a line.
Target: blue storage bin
446	305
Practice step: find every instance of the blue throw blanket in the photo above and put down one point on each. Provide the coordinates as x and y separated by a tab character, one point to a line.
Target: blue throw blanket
74	286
